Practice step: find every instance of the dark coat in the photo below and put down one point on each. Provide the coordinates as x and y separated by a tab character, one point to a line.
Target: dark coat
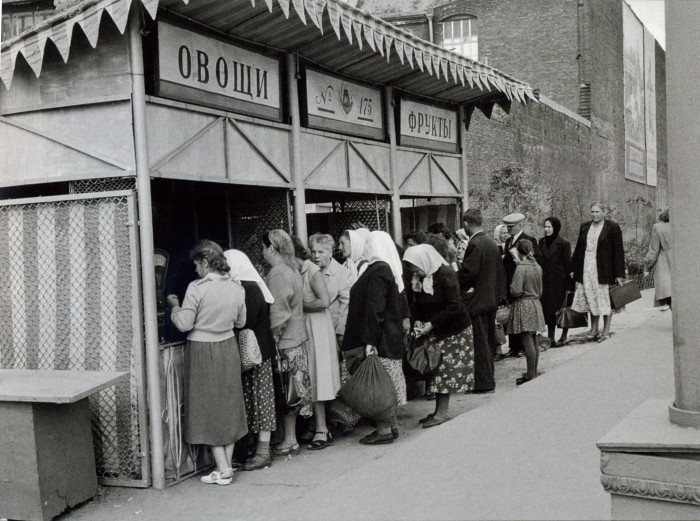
508	262
375	313
444	309
258	318
556	266
610	254
482	269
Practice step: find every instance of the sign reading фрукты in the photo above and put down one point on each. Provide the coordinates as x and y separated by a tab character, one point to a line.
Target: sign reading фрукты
191	64
428	126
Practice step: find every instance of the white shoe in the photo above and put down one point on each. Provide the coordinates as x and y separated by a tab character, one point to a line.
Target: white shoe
219	478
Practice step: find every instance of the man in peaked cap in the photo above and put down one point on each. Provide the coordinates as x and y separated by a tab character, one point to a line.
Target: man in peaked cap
515	223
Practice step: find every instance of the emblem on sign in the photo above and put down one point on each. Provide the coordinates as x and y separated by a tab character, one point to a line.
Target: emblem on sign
345	99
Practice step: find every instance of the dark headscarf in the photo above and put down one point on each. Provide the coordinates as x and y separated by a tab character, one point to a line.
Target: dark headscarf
556	224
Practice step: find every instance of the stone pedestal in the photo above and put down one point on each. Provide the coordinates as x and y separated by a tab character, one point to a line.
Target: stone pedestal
651	467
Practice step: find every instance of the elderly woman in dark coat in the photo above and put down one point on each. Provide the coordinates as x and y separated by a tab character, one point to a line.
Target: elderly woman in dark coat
556	254
440	313
597	262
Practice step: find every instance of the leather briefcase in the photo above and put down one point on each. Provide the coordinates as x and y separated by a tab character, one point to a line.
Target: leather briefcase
622	295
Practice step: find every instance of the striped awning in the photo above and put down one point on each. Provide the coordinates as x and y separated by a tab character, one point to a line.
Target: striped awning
357	27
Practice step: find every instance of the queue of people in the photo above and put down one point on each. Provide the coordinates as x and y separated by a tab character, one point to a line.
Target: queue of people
316	320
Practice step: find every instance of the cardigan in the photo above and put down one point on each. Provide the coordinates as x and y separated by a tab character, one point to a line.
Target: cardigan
286	313
212	307
444	309
375	313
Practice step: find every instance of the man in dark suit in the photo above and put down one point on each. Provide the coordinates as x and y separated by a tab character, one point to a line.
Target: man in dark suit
515	223
479	278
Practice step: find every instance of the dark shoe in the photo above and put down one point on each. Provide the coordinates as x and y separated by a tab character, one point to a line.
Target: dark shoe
433	422
287	451
603	338
257	462
427	418
552	343
514	354
321	444
306	437
377	439
395	432
523	379
483	391
562	343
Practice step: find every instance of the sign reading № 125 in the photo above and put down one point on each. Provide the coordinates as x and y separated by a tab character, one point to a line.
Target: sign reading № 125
425	125
349	106
206	64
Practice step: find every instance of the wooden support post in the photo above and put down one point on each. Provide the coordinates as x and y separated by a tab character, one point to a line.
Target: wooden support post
297	174
395	184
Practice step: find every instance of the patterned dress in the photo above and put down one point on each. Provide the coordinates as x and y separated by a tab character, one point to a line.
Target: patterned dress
591	296
455	372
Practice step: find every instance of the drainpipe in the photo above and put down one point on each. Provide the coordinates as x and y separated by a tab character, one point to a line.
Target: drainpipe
297	174
395	197
431	33
464	173
148	275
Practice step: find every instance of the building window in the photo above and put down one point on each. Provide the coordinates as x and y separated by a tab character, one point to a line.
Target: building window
460	36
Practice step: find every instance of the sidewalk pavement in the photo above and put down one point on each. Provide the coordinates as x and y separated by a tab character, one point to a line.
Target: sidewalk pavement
522	453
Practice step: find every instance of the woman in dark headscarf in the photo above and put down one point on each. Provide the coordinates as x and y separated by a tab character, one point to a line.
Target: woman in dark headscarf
556	252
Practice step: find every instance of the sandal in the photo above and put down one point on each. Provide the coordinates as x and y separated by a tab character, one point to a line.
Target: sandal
321	444
287	451
225	477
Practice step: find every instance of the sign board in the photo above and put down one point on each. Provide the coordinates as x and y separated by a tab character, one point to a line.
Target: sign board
343	106
428	126
207	71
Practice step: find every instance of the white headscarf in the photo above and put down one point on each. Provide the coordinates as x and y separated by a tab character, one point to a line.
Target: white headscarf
381	247
428	260
243	269
358	247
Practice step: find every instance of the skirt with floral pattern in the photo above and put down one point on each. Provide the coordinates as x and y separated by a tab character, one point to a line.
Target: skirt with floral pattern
299	377
395	370
455	372
526	316
259	396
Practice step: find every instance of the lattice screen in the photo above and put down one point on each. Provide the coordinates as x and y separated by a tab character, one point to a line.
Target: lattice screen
424	211
351	209
259	211
66	303
108	184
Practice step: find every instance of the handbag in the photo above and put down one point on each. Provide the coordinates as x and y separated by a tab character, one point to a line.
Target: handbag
621	295
503	314
567	318
287	391
249	350
422	355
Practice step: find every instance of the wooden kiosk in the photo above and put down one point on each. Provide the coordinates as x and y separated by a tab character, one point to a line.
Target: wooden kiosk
122	113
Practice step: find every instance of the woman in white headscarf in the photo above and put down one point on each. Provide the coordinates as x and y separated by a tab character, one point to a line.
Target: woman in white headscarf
440	313
258	386
353	245
375	317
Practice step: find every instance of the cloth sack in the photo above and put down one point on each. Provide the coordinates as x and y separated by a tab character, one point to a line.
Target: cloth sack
370	391
353	358
249	350
567	318
285	386
502	314
422	355
622	295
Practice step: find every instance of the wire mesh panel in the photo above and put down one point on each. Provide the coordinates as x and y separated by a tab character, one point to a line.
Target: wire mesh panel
67	304
108	184
255	211
352	210
420	212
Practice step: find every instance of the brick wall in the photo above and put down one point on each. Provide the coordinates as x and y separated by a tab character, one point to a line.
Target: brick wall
555	45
